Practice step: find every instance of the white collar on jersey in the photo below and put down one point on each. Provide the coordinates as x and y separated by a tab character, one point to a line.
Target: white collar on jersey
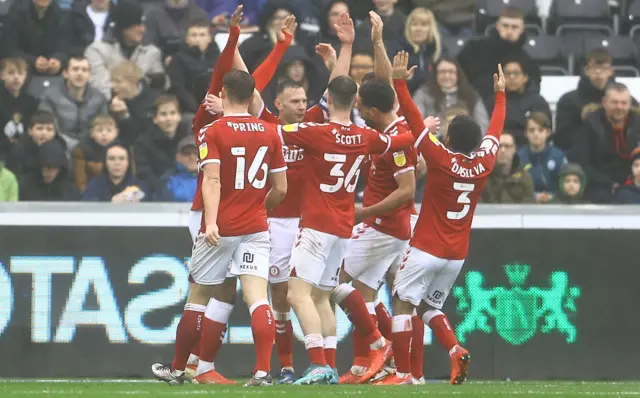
342	124
389	127
238	114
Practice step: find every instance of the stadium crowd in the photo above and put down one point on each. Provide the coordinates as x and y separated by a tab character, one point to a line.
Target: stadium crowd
97	98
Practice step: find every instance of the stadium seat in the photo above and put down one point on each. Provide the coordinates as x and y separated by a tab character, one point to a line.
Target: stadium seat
4	7
565	12
573	37
547	51
532	30
632	20
623	52
489	11
453	45
37	84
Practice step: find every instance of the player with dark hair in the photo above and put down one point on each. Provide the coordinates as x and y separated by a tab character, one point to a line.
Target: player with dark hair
458	173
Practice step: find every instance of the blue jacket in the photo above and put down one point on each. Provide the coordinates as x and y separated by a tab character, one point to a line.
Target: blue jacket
629	194
543	167
100	189
178	186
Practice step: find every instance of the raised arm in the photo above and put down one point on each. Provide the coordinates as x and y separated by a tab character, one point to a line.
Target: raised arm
346	33
400	76
381	63
500	108
265	71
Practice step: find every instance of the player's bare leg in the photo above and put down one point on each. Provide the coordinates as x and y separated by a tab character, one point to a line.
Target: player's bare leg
402	332
187	333
215	322
326	310
284	331
441	327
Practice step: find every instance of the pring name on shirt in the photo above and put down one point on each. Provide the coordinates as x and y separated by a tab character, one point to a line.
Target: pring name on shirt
246	127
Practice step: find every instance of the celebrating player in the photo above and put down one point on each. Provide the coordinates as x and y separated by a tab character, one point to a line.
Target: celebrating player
458	171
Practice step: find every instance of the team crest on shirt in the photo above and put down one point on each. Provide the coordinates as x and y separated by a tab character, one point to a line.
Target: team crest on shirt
399	158
290	128
203	150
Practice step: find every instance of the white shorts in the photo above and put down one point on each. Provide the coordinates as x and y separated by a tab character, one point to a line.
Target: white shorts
398	261
194	220
369	255
283	233
316	258
425	277
250	255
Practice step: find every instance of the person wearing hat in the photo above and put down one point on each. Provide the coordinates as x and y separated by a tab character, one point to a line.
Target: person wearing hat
179	184
124	41
51	182
572	182
630	193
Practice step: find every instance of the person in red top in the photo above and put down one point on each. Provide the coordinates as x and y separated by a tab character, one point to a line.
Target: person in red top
458	171
238	154
333	154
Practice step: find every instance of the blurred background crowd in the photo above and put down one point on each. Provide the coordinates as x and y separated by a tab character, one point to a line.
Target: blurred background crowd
97	96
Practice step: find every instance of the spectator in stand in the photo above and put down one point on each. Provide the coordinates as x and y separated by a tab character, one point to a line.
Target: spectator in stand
124	43
603	145
87	22
393	19
630	193
167	23
24	155
219	11
16	104
196	58
133	101
509	182
73	101
422	41
309	15
258	46
8	185
116	184
179	183
33	31
455	17
571	185
332	12
448	87
361	63
542	161
575	105
523	99
479	58
51	182
155	150
88	155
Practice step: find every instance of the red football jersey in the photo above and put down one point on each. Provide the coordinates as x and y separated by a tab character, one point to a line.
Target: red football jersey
247	149
200	120
334	153
294	156
382	182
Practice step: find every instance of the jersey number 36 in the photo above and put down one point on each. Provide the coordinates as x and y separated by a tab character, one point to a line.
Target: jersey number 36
349	181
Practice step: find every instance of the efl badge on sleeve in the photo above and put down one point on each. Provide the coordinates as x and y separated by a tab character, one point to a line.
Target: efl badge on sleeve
290	128
399	158
203	150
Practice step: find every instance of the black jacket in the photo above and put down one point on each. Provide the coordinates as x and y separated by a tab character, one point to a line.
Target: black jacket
155	153
185	70
80	31
479	60
166	26
24	157
27	37
519	107
33	186
141	110
18	111
605	154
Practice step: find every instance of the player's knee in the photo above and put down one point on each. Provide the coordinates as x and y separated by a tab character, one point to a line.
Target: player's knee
200	294
226	291
279	299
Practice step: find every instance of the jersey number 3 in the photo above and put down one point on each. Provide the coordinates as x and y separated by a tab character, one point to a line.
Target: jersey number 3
256	165
349	182
463	199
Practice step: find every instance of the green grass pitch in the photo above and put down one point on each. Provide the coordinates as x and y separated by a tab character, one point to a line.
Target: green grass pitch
116	388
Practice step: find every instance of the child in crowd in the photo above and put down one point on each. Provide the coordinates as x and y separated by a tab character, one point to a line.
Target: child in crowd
541	160
88	155
630	193
571	185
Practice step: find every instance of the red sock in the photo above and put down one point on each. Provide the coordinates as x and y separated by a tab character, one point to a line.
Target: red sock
384	320
443	331
187	334
212	336
356	309
401	342
265	71
284	343
330	357
417	347
314	344
195	350
263	327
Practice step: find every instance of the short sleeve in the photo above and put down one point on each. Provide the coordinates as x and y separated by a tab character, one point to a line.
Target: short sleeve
267	116
298	134
488	151
277	163
434	151
208	149
316	114
402	161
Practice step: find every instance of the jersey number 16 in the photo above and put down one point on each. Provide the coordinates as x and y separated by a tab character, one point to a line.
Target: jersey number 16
256	165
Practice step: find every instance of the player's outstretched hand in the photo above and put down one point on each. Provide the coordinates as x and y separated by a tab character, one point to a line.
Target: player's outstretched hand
498	80
328	54
376	27
213	104
345	29
289	28
400	63
432	123
236	18
212	235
